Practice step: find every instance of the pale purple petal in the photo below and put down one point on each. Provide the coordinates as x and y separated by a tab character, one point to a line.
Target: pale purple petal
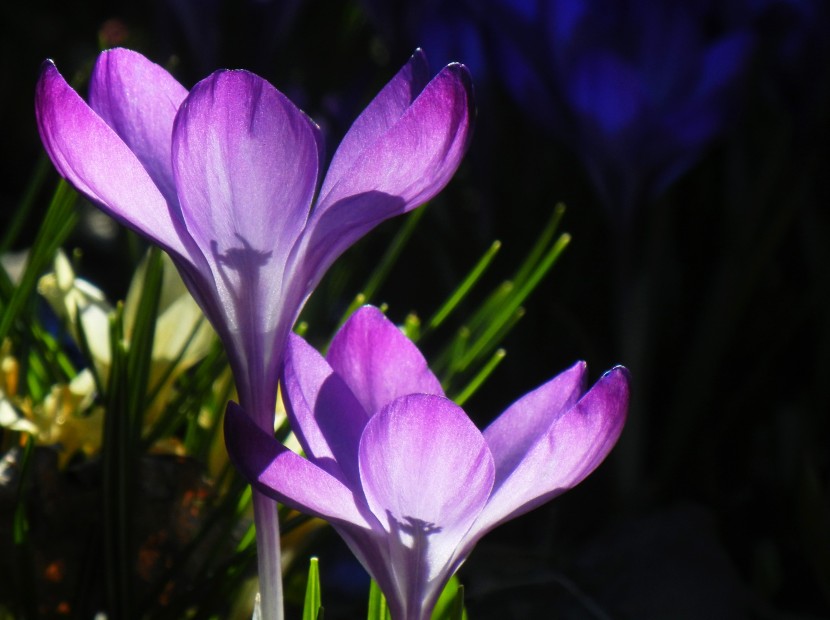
139	100
378	362
324	413
427	473
405	166
570	449
383	112
246	162
91	156
285	476
511	435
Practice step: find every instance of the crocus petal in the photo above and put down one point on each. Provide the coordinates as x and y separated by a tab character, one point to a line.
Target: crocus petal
378	362
246	161
607	91
406	166
723	62
427	473
242	148
326	417
512	434
383	112
285	476
91	156
139	100
570	449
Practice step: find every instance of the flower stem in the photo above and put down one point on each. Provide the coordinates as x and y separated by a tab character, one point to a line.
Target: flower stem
268	556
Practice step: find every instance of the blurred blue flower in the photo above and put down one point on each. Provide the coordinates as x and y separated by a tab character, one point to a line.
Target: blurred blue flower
637	89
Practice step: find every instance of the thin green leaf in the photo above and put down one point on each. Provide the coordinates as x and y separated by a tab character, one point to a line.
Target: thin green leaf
464	288
393	251
311	608
480	378
58	223
534	256
508	312
377	604
118	481
450	605
140	353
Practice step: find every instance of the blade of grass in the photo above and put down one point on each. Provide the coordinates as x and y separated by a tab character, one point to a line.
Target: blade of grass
311	607
140	352
464	288
118	481
58	223
377	604
479	379
386	262
505	314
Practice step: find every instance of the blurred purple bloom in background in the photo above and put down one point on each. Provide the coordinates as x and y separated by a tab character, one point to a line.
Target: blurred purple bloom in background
224	179
401	472
637	89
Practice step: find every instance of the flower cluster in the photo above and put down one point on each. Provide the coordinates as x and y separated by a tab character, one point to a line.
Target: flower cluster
227	179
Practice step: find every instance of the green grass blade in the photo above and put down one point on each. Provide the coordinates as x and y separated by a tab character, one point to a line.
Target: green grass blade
479	379
58	223
450	605
140	353
464	288
503	316
387	261
311	608
541	245
118	482
377	604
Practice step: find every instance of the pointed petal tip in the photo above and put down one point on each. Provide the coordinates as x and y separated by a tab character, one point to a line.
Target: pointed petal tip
614	388
419	56
461	70
46	79
47	64
618	374
369	312
579	365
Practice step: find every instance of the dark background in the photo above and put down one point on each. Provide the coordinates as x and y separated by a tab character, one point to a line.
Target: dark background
712	289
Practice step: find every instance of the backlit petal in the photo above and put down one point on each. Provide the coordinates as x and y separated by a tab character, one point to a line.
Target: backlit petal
246	161
573	446
426	474
139	100
511	435
377	362
404	167
324	413
383	112
91	156
285	476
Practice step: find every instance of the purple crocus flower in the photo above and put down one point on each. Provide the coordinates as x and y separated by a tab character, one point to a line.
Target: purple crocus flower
637	88
224	179
401	472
